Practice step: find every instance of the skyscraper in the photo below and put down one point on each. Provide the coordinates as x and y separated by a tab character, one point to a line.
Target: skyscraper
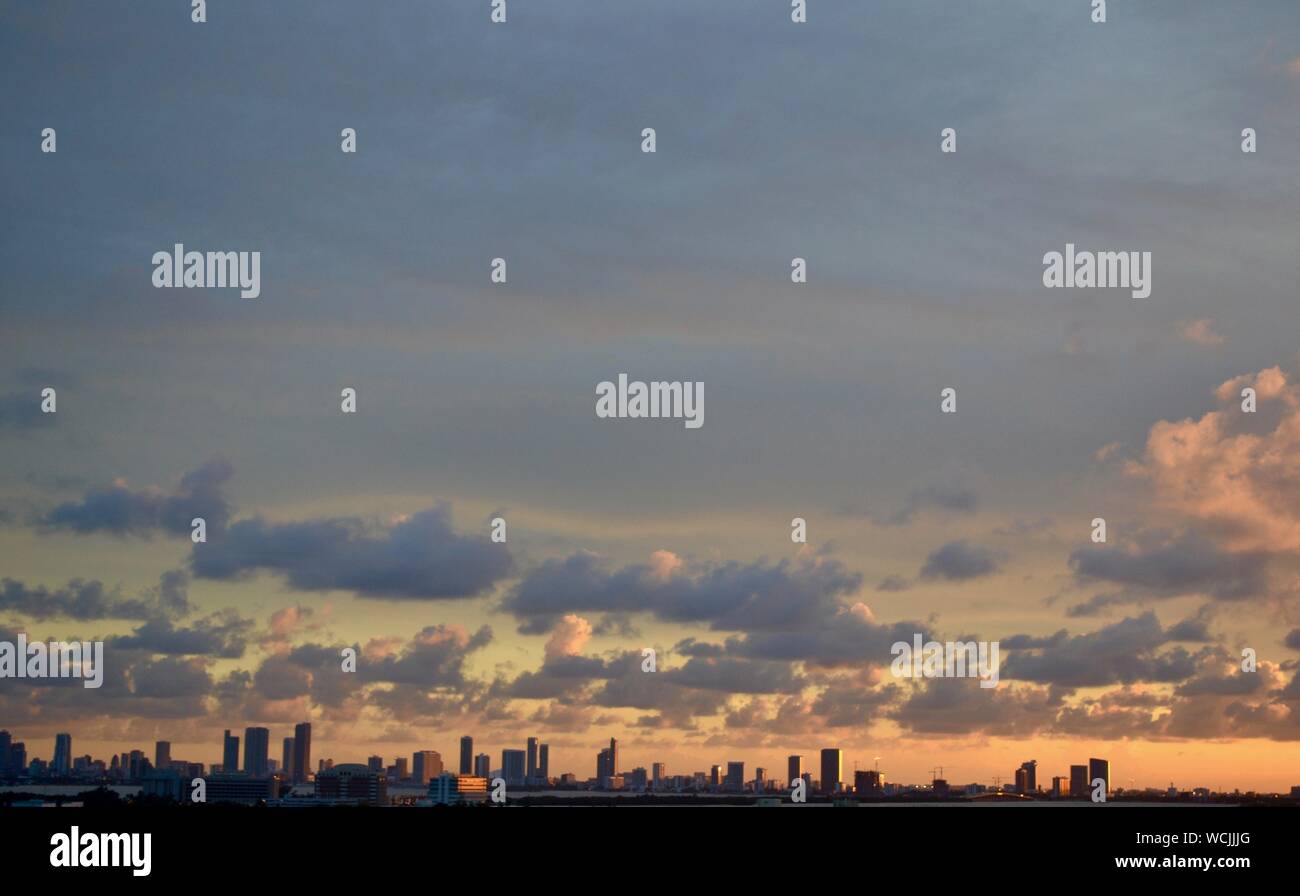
483	765
1030	769
832	768
257	744
513	767
1078	780
425	766
735	780
17	758
531	772
286	759
659	771
229	754
162	754
1098	768
613	757
794	768
466	754
544	763
62	754
301	751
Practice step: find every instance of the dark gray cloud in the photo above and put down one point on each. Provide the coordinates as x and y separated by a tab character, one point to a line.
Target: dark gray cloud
80	599
951	489
418	558
788	594
1124	652
121	510
222	635
1160	566
959	561
960	706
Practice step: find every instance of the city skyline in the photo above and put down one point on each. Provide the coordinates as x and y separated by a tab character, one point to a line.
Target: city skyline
416	516
1075	780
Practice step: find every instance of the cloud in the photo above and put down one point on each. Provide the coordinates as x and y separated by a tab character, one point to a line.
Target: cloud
960	706
1162	566
1124	652
121	510
568	637
726	596
223	635
1235	474
419	558
80	599
951	489
959	561
1199	332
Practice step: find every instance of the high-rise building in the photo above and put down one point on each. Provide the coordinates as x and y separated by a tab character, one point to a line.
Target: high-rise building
399	768
162	755
483	766
229	754
531	773
715	777
513	767
1098	768
257	743
868	783
832	769
794	768
602	764
1030	769
62	754
301	751
466	755
425	766
613	757
286	759
544	763
1060	786
6	744
1078	781
735	780
375	763
1022	780
18	758
658	770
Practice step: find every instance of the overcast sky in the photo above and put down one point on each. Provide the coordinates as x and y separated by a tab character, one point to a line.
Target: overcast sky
476	399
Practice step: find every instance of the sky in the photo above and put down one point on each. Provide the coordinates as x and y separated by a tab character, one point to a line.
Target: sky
476	399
